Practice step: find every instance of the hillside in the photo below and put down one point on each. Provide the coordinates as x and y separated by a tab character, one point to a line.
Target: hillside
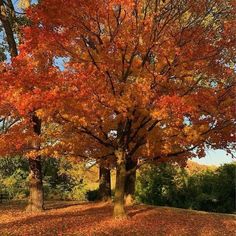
194	167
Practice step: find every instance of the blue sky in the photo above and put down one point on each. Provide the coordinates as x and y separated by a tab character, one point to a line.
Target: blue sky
214	157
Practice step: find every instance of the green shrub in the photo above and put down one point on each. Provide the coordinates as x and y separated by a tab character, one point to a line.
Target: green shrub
13	177
92	195
158	185
226	188
168	184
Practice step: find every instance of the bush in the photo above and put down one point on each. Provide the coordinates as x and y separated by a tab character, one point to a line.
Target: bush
225	188
158	185
92	195
169	185
13	177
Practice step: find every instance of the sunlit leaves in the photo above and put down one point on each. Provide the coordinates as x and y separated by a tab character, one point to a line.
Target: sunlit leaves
24	4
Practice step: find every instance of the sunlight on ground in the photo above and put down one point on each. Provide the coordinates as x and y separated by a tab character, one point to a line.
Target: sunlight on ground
63	218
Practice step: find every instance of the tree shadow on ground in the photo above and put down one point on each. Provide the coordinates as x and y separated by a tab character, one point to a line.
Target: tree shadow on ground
96	219
50	205
63	212
134	212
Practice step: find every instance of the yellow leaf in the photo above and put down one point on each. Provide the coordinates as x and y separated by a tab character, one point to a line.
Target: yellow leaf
23	4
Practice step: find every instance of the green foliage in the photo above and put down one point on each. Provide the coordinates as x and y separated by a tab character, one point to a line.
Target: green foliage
92	195
170	185
2	53
13	175
165	184
61	179
158	185
225	188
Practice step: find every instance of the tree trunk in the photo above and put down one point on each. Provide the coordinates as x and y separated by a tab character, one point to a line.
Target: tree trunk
104	184
130	182
35	202
119	210
35	176
8	30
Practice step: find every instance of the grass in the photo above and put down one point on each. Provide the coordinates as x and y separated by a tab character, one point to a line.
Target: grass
72	218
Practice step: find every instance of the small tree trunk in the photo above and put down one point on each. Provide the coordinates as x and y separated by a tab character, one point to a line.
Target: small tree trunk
35	203
5	19
119	210
104	184
130	182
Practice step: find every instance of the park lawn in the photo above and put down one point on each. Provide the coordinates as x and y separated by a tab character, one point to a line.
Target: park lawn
71	218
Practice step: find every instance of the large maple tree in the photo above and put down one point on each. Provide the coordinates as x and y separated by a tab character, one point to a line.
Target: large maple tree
143	80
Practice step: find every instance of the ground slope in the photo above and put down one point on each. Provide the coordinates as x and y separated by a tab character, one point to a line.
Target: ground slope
62	218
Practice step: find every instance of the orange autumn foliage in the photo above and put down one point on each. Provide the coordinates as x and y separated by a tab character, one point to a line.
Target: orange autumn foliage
154	78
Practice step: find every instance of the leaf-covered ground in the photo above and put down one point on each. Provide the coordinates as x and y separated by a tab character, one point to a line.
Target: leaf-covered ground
63	218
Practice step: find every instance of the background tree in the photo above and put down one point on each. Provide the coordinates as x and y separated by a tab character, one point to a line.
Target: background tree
104	183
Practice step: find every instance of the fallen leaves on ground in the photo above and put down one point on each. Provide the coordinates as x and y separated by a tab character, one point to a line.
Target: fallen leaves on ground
63	218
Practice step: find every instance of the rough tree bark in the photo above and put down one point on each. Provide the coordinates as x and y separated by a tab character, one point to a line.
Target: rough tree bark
35	202
104	184
130	182
8	30
119	210
35	176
